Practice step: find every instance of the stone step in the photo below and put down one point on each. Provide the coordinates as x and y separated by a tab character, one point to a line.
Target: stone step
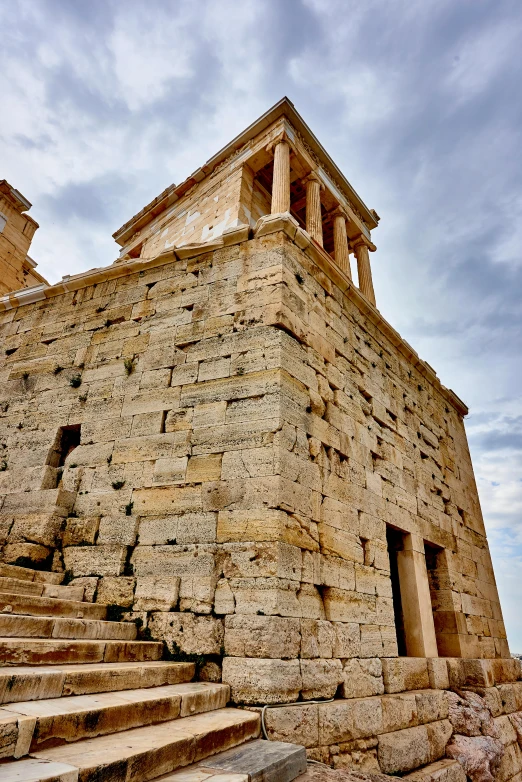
445	770
35	770
53	681
258	761
19	626
198	774
36	725
142	754
33	605
27	574
54	651
39	588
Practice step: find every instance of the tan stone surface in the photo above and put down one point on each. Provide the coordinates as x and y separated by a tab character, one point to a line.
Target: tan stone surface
262	681
17	229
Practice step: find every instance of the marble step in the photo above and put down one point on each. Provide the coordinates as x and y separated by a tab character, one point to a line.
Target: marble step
145	753
255	761
55	651
27	574
19	626
53	681
39	588
33	605
35	770
35	725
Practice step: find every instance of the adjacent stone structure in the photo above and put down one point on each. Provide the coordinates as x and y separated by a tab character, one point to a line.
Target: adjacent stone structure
17	269
221	437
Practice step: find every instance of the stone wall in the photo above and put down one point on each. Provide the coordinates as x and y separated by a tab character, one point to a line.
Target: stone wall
418	722
216	444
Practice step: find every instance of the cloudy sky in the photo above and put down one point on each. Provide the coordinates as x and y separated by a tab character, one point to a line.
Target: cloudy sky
106	102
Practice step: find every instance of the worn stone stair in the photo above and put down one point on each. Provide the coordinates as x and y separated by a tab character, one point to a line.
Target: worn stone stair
81	700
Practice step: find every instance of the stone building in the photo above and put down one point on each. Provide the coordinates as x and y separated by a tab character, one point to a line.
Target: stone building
17	269
220	438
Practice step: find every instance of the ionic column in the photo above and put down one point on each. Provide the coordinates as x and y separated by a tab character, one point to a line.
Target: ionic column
314	218
341	249
361	247
281	177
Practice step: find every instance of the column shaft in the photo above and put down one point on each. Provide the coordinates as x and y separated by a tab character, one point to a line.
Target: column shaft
342	253
314	219
281	178
364	270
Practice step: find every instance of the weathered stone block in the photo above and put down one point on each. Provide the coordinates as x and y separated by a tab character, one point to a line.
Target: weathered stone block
262	636
438	673
371	641
405	673
114	590
262	681
294	724
95	560
81	530
439	733
187	632
253	560
118	528
177	529
362	678
347	720
269	596
404	750
320	678
174	560
156	593
399	712
347	641
196	593
432	705
343	606
317	639
40	528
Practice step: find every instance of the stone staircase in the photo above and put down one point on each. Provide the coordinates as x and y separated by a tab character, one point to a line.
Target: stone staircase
82	700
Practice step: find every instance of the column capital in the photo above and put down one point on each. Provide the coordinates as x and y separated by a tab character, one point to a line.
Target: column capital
282	137
313	177
362	240
339	211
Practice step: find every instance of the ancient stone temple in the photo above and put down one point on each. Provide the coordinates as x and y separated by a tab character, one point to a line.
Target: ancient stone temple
219	462
16	233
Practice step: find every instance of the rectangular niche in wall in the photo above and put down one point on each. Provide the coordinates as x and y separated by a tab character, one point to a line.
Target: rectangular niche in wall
411	594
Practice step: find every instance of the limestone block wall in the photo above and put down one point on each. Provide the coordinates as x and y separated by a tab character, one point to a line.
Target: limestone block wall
215	445
201	215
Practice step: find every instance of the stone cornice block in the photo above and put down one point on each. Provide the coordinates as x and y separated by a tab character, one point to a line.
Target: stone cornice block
193	250
236	234
302	238
269	224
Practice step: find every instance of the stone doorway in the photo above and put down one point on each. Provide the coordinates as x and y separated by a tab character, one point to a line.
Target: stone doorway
412	605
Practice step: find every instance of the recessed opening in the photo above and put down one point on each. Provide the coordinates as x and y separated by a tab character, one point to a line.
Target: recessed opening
440	594
395	541
67	439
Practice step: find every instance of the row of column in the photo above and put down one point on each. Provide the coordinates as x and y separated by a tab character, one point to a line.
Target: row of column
314	220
